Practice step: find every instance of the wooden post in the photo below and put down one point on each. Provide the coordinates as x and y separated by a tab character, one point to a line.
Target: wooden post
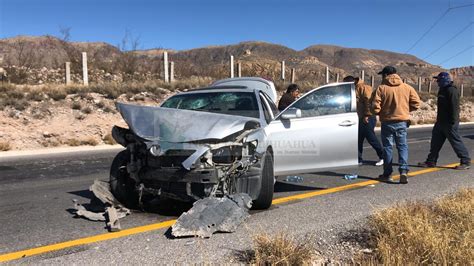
327	75
372	81
239	69
231	66
362	75
292	75
68	73
165	67
337	77
171	71
429	87
85	77
282	70
462	90
419	83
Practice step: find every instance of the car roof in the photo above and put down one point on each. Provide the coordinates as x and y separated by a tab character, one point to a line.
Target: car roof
218	88
258	83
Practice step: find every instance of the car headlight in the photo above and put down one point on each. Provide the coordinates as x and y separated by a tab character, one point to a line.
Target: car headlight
155	150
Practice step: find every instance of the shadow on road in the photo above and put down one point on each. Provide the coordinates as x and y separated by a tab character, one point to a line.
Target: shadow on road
469	136
287	187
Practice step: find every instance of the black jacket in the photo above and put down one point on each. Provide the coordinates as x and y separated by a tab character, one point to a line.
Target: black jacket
448	105
285	101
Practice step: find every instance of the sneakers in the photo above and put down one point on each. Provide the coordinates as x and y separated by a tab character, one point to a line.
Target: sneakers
462	166
385	178
403	179
427	164
379	163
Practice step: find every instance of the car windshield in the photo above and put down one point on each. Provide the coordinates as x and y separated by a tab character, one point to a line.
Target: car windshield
230	103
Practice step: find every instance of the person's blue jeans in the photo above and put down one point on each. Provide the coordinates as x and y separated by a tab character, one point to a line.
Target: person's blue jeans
366	131
394	132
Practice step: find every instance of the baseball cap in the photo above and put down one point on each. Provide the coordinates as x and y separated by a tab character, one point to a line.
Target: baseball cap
388	70
443	75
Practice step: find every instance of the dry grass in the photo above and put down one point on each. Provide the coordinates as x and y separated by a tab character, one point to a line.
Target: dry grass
79	142
76	106
441	232
280	249
5	146
87	110
108	139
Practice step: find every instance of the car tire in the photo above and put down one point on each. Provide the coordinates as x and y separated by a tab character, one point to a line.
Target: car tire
265	197
121	185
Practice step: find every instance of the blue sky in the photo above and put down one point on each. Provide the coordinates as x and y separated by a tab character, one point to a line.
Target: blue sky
185	24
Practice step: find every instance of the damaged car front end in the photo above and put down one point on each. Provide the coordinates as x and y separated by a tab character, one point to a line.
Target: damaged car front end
188	155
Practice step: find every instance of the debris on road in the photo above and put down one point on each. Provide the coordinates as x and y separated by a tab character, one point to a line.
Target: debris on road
104	207
294	179
212	214
350	177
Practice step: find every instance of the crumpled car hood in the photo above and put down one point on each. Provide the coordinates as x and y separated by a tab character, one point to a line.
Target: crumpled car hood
178	125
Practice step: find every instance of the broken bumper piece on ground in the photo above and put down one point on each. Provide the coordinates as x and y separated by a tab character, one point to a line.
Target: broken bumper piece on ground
104	207
210	215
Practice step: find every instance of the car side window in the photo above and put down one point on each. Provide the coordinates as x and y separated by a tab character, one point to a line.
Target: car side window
326	101
266	112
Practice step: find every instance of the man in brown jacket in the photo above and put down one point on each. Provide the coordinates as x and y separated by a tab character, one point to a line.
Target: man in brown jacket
366	119
393	101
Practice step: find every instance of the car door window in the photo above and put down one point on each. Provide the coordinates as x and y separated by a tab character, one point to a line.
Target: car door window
266	112
272	105
325	101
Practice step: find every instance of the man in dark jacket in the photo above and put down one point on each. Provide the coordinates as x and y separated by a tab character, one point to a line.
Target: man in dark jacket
292	93
447	124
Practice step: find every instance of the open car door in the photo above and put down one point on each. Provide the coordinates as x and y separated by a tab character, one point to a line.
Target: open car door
317	131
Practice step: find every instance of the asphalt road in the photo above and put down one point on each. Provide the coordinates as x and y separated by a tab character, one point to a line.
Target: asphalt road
36	199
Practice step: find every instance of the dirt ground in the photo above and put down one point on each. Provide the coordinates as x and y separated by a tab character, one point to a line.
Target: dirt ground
88	119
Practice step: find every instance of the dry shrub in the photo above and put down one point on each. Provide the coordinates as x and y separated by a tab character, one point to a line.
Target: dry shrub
76	106
57	94
5	146
89	141
280	249
108	139
426	233
87	110
78	142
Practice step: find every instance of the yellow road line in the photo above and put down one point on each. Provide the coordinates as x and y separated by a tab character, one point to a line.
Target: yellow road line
166	224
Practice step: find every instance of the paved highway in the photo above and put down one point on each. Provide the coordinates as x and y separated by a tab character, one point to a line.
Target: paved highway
36	194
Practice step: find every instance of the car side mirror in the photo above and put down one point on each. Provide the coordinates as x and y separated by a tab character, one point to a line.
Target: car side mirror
291	113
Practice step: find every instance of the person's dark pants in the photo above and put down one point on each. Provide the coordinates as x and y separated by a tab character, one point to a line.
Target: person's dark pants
366	131
440	133
394	133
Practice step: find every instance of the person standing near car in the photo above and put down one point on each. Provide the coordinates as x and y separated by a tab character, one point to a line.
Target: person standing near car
393	101
366	119
447	124
292	93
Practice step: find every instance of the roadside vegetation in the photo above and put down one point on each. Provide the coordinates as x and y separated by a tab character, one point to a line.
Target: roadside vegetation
280	249
5	146
439	232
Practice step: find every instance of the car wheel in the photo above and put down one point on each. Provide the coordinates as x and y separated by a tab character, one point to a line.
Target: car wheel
121	185
265	197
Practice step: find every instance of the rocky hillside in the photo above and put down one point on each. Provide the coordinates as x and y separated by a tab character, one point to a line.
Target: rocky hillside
22	54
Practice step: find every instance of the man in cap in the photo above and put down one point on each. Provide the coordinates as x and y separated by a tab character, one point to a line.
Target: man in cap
393	101
366	118
447	124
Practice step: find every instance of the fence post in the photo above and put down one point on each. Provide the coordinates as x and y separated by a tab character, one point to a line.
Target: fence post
165	67
231	66
337	77
362	75
68	73
419	83
372	81
327	75
171	71
282	70
462	90
292	75
429	87
239	69
85	77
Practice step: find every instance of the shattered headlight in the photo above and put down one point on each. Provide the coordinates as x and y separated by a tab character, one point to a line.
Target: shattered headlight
155	150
